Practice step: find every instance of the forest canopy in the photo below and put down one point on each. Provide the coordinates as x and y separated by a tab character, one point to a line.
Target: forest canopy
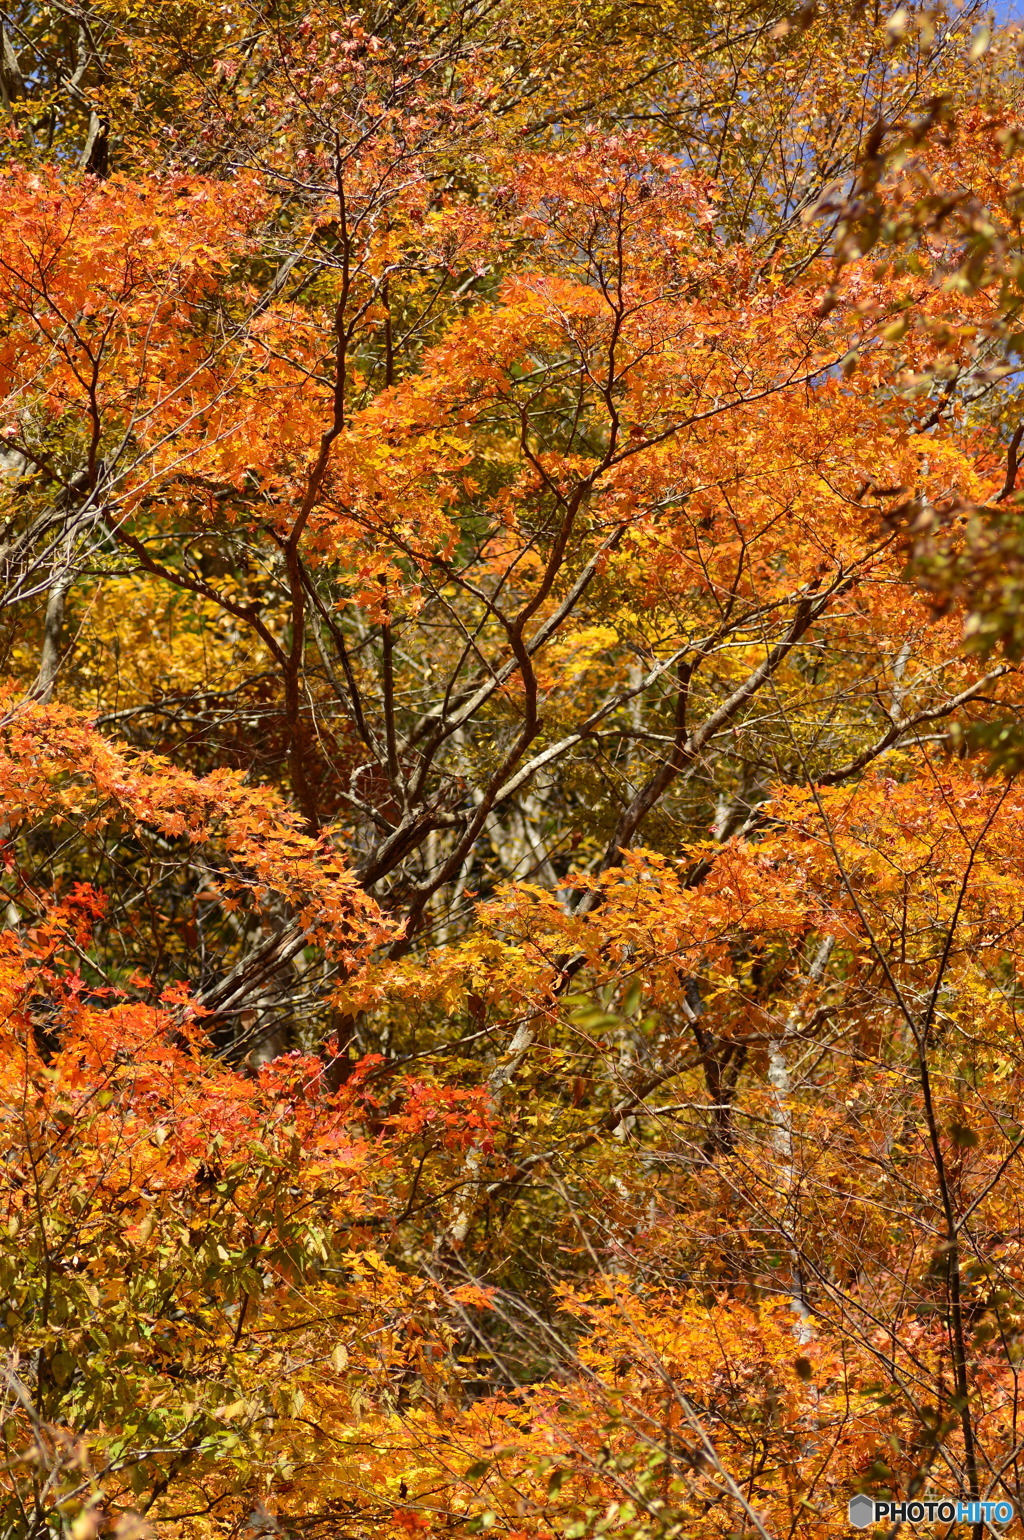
511	749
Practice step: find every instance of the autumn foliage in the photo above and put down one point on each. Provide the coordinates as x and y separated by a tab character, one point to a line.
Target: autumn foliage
510	762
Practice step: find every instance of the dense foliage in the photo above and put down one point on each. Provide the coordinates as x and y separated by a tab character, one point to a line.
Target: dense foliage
509	745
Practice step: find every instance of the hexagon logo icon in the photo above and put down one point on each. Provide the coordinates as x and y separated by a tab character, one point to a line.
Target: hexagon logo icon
862	1511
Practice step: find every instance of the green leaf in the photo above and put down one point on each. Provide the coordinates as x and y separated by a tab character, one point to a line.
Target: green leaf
631	999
